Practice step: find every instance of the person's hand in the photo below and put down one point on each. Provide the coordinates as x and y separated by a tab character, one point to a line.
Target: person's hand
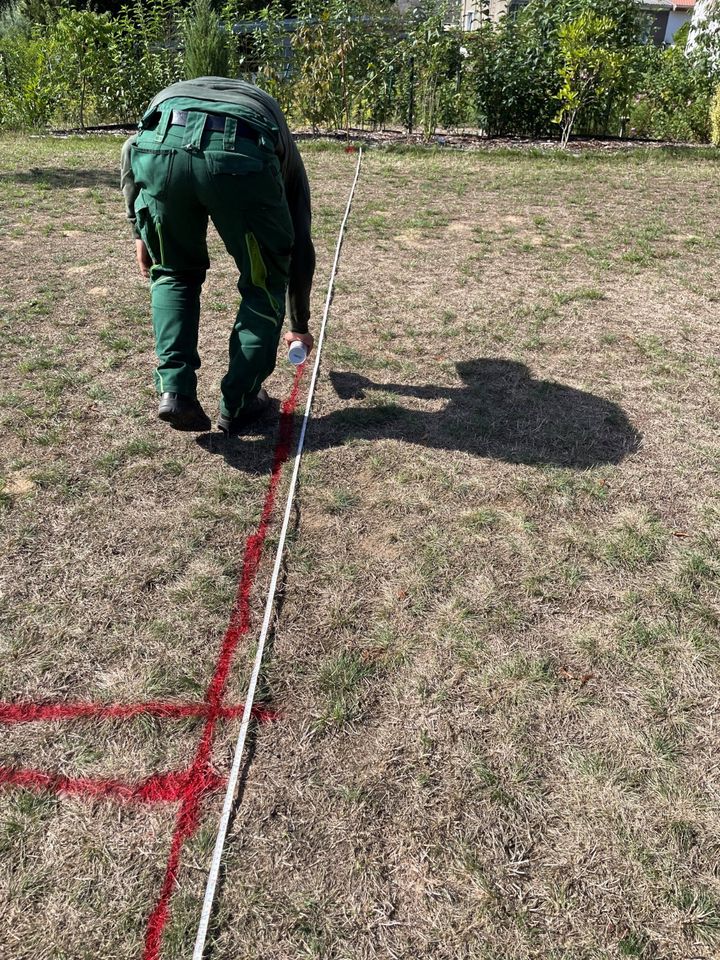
306	338
143	258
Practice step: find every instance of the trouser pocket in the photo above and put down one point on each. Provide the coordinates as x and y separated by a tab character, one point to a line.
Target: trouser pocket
152	167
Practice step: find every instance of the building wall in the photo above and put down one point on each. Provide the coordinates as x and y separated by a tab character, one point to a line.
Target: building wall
472	12
664	24
676	20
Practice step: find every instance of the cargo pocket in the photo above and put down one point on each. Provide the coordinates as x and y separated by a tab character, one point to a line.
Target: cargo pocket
151	167
149	228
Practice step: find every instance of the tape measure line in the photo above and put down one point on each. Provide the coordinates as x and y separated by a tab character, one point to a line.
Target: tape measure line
269	606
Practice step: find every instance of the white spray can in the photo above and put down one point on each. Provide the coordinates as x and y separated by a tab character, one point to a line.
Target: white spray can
297	354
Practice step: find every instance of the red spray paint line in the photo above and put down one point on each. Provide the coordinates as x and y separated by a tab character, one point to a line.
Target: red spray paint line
201	774
28	712
168	787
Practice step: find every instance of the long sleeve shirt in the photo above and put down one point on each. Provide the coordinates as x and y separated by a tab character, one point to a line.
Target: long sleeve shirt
260	110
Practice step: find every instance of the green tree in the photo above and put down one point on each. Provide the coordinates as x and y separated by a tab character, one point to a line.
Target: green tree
145	56
438	67
205	42
590	68
27	96
324	45
673	98
517	67
82	61
267	55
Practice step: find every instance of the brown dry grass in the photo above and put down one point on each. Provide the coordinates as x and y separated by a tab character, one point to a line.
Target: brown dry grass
497	658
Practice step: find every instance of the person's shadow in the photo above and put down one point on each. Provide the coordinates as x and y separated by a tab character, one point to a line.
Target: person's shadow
500	412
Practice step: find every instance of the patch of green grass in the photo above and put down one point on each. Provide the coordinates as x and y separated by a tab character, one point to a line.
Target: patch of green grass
140	447
685	834
639	635
34	364
484	518
535	670
701	914
214	593
347	356
342	501
427	220
233	488
173	468
179	936
119	344
579	294
342	681
634	545
633	944
696	571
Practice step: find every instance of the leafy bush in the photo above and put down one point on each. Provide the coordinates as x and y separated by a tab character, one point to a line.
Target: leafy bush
344	60
577	63
264	55
715	118
511	78
437	67
590	68
145	54
82	67
525	65
673	102
26	94
81	62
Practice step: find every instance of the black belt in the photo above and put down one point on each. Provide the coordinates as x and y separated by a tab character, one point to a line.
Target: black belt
216	122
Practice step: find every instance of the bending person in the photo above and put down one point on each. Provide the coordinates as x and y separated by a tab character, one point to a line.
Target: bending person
219	148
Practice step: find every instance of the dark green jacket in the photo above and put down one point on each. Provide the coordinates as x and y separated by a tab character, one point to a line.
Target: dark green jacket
258	108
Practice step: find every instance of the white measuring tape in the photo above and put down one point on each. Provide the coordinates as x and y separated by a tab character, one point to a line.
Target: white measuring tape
250	696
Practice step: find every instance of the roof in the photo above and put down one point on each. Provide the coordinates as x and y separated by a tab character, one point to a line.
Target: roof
683	4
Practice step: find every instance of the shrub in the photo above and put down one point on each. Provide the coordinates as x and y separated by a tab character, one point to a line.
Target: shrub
673	102
526	64
344	62
715	118
26	95
590	68
80	62
145	55
437	68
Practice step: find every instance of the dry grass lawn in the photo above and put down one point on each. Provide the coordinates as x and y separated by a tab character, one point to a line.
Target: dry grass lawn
497	657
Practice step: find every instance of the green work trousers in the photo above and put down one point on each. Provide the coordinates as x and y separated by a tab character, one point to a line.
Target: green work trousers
187	174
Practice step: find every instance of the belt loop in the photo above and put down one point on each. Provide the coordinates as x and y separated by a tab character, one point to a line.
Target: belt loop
163	124
194	129
230	134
